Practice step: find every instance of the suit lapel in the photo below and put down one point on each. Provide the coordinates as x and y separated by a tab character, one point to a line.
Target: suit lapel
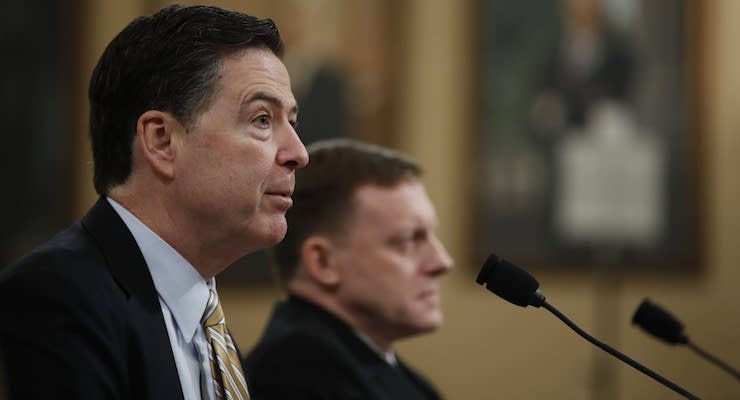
382	380
398	382
419	381
149	346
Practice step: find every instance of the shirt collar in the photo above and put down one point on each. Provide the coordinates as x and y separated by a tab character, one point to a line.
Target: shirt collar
179	285
388	356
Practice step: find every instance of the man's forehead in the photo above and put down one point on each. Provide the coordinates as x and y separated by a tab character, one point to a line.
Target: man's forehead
402	201
257	70
286	103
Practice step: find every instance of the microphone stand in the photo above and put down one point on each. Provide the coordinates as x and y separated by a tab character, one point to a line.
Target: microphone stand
661	324
713	359
634	364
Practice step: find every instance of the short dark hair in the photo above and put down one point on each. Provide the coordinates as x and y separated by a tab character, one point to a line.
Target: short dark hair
168	61
323	200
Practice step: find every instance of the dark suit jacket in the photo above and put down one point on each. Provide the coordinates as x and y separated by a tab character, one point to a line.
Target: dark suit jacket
307	353
80	318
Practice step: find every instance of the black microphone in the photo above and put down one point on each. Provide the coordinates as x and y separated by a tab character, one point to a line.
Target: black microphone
511	283
661	324
517	286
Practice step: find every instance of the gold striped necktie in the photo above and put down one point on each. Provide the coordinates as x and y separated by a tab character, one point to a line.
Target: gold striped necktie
226	369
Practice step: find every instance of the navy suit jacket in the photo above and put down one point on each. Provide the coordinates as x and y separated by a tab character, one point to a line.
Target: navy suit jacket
308	353
80	318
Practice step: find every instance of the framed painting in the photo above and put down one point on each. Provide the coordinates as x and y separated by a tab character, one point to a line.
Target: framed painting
587	147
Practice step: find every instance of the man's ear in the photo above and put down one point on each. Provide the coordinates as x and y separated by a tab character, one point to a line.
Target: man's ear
154	131
318	256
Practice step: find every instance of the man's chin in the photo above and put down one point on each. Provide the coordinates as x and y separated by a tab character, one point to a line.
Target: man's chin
271	234
277	232
431	323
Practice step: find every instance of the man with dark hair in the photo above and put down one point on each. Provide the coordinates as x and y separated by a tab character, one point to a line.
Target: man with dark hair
195	151
361	264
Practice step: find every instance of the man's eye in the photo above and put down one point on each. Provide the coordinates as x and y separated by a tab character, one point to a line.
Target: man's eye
410	242
263	120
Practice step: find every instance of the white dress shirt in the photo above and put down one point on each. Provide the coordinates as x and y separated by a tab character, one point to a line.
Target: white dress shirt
183	294
388	356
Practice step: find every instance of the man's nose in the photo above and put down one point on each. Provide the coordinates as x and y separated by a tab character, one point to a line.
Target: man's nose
441	261
292	153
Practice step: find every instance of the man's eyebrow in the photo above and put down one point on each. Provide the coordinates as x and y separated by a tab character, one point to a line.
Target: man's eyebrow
264	96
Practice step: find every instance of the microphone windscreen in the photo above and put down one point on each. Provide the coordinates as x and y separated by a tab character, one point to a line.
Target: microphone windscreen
659	323
508	281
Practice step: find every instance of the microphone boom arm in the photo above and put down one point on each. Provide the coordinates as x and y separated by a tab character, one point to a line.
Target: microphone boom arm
658	322
714	360
634	364
517	286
